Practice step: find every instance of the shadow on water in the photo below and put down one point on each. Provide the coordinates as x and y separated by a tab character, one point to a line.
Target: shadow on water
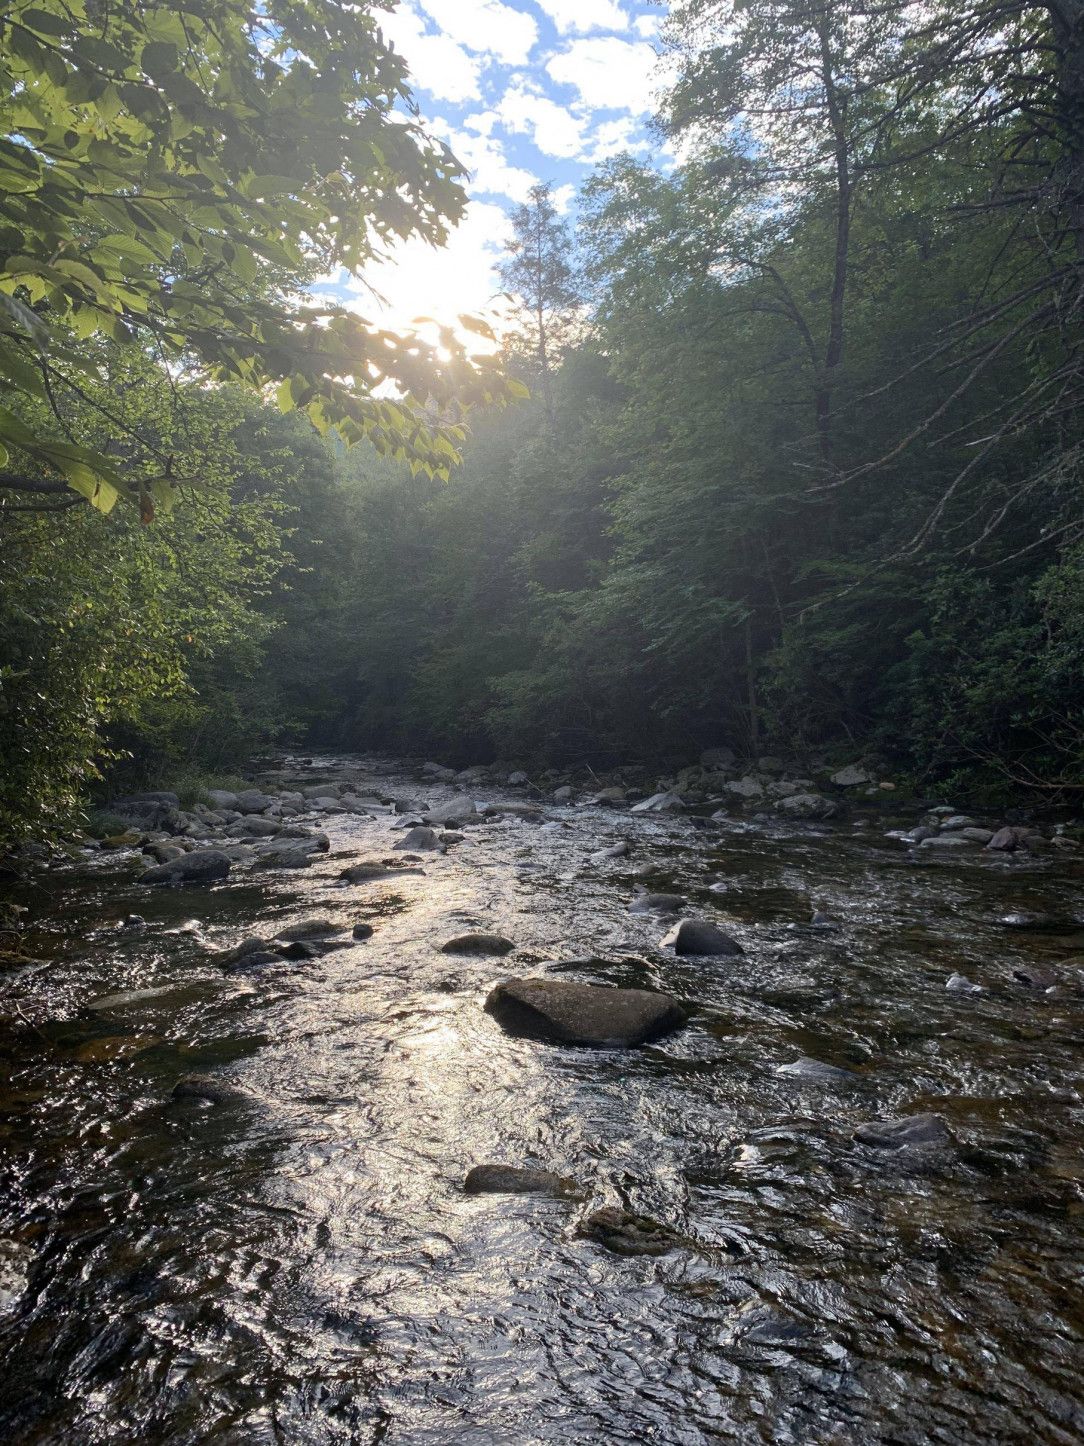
301	1264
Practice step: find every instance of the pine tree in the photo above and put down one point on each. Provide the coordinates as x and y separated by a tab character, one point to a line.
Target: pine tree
540	271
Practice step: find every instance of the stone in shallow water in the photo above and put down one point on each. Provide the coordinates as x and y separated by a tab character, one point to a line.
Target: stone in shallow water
371	869
478	944
627	1234
615	851
202	866
363	931
310	929
208	1089
960	984
514	1180
660	803
560	1011
419	838
657	904
700	936
915	1132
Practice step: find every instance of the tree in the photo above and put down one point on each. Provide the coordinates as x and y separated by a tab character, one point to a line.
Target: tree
170	174
539	269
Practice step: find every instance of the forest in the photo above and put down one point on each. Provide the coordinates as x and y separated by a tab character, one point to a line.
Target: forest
781	454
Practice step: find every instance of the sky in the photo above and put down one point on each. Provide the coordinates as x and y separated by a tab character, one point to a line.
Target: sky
522	91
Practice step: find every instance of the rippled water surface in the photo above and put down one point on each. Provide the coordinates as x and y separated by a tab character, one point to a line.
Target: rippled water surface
305	1267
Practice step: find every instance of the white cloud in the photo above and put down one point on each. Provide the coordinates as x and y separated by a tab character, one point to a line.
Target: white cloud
584	15
490	170
482	122
436	62
609	73
612	137
647	26
562	198
555	130
485	26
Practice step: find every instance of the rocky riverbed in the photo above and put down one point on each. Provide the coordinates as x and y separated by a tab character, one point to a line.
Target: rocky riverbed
383	1103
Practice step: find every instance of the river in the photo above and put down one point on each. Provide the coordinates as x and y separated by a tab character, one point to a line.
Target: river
304	1266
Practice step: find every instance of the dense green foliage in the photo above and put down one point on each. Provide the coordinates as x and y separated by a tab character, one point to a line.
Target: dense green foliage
800	469
811	478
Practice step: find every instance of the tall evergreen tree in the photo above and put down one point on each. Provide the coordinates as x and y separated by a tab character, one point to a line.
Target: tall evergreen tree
540	271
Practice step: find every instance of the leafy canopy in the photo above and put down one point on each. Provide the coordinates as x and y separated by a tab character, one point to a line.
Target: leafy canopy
170	173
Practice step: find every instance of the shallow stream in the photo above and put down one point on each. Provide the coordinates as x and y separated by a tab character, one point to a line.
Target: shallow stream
305	1267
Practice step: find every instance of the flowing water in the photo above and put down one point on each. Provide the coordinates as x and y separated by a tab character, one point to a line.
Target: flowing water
305	1267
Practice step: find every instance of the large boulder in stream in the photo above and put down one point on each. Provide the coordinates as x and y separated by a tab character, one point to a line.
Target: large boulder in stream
201	866
561	1011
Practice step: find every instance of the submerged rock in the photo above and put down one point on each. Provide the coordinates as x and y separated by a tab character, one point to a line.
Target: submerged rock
700	936
478	944
201	866
208	1089
514	1180
310	929
927	1133
627	1234
560	1011
371	869
615	851
286	856
816	1071
657	904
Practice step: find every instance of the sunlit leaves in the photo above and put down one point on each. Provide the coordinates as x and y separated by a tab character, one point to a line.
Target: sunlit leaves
169	173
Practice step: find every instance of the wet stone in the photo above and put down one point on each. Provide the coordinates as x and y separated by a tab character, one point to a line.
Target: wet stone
514	1180
628	1234
925	1132
700	936
419	838
206	1088
372	869
481	944
657	904
565	1012
959	984
309	929
363	931
202	866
